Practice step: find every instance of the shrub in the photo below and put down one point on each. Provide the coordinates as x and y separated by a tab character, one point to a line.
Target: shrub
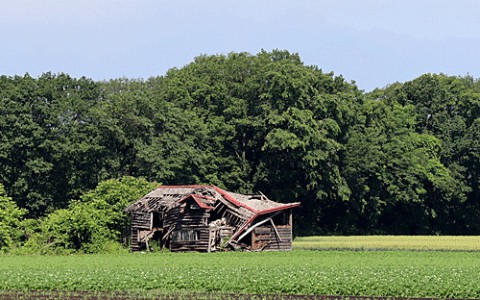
95	223
10	221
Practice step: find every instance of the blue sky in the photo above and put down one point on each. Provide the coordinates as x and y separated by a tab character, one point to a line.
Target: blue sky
372	42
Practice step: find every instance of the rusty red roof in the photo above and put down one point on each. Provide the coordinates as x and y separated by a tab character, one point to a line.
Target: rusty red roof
171	195
202	201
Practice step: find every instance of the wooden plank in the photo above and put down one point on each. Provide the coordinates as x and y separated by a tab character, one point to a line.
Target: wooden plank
265	239
256	225
151	222
275	229
209	241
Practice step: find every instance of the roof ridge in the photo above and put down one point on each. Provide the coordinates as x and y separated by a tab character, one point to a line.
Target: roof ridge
186	186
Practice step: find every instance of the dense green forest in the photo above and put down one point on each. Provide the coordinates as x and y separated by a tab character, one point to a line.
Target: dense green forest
404	159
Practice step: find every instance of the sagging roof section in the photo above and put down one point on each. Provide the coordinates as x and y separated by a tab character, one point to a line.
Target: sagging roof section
234	216
170	196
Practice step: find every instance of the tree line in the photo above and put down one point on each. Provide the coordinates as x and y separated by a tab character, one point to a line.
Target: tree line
403	159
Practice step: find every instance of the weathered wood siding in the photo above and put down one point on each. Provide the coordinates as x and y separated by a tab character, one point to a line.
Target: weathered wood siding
141	221
134	245
171	217
193	216
192	232
265	238
193	238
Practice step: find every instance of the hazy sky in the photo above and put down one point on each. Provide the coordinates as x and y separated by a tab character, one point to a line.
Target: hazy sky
372	42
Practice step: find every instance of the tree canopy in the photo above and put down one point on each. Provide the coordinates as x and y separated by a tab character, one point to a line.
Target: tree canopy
401	159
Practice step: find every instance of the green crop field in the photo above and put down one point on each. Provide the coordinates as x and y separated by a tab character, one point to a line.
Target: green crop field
438	274
422	243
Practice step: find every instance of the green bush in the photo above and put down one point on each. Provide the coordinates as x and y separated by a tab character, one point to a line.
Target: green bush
10	221
95	223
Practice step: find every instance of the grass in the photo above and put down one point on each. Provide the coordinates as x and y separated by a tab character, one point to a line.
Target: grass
417	243
438	267
343	273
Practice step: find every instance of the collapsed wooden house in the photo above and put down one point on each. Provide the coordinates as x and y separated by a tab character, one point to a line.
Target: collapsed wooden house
207	218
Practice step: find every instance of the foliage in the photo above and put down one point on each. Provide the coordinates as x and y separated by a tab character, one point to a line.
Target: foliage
48	139
390	167
447	107
97	221
111	197
355	273
403	159
10	220
273	124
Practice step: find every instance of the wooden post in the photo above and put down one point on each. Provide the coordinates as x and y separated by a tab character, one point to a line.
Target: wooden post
151	220
209	240
276	231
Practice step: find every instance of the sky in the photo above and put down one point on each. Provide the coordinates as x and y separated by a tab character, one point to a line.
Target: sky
374	43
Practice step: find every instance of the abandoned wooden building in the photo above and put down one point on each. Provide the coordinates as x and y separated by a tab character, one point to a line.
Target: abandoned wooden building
207	218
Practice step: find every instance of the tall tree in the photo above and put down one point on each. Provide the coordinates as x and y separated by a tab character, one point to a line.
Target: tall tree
49	143
272	123
448	107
